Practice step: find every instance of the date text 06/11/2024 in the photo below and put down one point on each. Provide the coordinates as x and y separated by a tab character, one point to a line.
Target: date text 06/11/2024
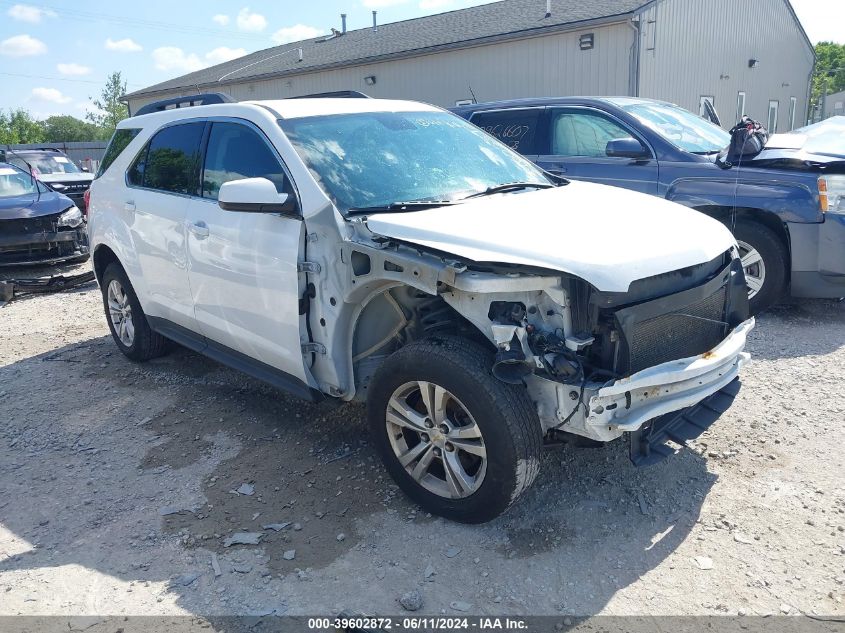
417	623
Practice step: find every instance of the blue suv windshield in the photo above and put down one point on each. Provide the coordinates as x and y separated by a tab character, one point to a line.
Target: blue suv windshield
377	159
680	127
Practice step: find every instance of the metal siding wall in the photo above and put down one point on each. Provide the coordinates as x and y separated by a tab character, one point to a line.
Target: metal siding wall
702	47
551	65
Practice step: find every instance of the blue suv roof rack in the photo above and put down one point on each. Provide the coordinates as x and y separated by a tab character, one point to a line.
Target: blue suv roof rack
338	94
207	98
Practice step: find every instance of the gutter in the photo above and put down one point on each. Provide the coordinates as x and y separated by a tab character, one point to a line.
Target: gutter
419	52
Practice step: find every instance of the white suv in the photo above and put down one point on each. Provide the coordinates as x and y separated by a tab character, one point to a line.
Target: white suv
389	251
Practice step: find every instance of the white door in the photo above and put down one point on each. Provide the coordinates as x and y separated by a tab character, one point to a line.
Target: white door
161	181
243	266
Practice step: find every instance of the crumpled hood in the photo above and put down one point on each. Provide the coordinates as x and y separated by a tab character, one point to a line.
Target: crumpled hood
607	236
33	205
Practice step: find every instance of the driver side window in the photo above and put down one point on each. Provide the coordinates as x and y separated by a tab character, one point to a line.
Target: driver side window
235	152
578	133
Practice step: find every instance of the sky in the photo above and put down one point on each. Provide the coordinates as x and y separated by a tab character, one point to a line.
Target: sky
56	54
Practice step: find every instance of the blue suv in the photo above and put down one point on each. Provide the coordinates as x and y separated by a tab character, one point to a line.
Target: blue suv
786	207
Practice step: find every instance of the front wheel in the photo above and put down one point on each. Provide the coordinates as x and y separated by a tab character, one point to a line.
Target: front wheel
456	440
764	262
126	318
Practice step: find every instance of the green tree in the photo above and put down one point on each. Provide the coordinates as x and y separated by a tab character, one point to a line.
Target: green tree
66	129
18	126
109	109
830	69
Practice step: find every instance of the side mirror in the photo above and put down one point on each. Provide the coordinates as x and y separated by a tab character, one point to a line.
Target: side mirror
254	195
626	148
85	169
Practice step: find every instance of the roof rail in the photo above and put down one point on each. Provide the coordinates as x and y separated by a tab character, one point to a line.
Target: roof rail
338	94
184	102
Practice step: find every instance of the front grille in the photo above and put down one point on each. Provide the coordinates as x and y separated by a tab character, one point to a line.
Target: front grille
29	226
686	330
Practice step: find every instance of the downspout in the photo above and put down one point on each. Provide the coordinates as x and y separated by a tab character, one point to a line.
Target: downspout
809	115
634	64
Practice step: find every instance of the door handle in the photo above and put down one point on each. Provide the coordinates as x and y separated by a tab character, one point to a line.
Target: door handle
557	171
199	229
129	205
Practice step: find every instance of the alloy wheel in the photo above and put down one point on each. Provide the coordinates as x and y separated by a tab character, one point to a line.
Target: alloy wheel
120	313
753	266
436	440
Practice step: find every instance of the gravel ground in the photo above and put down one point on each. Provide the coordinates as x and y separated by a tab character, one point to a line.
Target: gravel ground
120	484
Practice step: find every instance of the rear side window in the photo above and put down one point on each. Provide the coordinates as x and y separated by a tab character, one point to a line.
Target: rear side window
170	160
582	133
236	151
515	128
119	140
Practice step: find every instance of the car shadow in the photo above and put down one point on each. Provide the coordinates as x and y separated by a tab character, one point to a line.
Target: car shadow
145	472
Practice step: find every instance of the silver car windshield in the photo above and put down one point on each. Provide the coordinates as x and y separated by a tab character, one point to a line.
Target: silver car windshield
680	127
377	159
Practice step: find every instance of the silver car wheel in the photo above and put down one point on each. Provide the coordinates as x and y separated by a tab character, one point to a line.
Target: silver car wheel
436	440
120	313
754	267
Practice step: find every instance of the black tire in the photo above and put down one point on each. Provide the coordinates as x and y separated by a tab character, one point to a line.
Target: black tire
504	414
775	260
146	343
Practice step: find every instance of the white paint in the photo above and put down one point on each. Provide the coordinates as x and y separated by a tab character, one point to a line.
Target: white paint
296	108
608	236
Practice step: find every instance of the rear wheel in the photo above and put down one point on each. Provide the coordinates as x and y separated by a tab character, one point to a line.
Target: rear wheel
460	443
764	261
126	318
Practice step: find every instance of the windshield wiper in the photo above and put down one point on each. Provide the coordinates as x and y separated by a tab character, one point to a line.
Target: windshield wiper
409	205
510	186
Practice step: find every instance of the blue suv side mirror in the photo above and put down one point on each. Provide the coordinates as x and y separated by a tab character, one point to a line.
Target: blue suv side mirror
626	148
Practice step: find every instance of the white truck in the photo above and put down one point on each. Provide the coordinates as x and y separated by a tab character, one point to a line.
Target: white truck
390	252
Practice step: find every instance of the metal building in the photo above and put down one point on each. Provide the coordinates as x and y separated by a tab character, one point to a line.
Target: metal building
746	56
834	105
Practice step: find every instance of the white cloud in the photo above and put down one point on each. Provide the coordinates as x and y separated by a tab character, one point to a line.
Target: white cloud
27	13
381	4
251	22
174	59
73	69
126	45
295	33
224	54
434	4
49	94
221	19
170	58
22	46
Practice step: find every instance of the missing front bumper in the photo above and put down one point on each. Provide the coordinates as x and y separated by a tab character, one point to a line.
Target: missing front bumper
649	442
627	404
43	247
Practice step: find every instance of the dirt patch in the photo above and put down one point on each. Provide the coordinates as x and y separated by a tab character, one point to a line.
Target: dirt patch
307	466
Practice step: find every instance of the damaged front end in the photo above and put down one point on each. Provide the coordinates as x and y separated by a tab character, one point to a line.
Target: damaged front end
601	364
43	239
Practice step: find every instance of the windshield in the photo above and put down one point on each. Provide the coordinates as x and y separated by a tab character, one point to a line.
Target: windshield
45	163
680	127
379	158
14	182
